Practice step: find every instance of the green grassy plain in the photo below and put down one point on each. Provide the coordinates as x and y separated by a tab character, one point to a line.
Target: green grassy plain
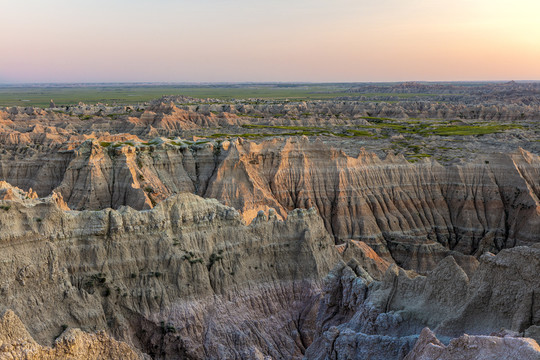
40	95
133	94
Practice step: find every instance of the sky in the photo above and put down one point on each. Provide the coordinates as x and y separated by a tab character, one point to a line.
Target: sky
268	41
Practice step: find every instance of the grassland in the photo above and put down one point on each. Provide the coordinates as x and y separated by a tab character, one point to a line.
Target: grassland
465	130
40	95
132	94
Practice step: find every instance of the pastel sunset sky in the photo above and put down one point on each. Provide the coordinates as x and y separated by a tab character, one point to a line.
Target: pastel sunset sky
277	40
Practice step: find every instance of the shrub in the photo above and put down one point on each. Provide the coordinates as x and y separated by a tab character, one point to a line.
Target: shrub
214	258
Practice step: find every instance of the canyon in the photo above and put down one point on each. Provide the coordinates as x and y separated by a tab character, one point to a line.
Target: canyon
332	230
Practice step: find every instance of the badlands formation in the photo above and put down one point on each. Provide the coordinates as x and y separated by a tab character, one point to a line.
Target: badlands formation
187	229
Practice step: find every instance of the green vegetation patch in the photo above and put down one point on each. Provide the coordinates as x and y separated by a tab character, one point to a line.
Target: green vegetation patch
122	143
467	130
283	127
421	156
439	128
296	131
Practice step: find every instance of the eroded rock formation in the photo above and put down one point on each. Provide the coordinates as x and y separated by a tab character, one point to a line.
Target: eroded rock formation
414	214
301	249
358	311
428	347
72	344
187	277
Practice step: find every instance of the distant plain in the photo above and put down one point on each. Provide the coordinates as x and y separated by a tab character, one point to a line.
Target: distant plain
72	94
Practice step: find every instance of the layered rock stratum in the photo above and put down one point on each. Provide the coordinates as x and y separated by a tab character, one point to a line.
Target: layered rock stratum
188	279
501	294
123	240
185	278
415	214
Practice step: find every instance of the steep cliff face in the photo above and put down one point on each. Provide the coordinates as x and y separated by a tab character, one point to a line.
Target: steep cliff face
186	278
359	314
383	199
415	214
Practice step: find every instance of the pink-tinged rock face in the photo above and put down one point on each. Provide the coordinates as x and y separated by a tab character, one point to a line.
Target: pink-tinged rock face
414	213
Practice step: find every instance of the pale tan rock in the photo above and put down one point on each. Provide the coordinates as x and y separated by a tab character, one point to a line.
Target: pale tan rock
72	344
533	332
187	277
428	347
414	214
9	192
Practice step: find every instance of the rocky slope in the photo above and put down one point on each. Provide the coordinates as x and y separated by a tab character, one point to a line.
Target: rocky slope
414	214
358	311
186	278
119	243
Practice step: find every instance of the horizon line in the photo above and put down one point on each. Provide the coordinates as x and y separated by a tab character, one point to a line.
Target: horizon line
203	83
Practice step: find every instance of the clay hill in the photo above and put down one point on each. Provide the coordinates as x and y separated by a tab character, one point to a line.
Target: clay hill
166	231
